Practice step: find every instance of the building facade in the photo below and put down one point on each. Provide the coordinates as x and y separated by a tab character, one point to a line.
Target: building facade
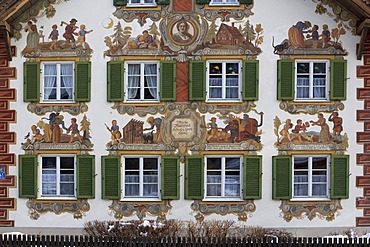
184	109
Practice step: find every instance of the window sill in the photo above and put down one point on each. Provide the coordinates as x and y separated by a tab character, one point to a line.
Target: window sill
141	5
135	199
224	4
56	199
213	199
310	199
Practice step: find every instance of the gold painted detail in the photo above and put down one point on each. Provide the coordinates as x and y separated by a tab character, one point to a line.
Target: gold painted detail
324	210
142	15
241	209
144	110
37	207
41	109
295	108
227	13
126	209
44	52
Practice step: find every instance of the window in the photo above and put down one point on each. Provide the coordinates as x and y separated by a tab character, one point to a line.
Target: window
58	176
141	177
311	176
224	2
57	82
312	80
220	81
224	80
141	3
223	177
142	81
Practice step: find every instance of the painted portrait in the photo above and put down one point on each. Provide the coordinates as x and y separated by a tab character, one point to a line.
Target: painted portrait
183	32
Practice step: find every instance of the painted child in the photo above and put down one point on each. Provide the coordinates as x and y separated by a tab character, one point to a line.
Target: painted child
73	128
54	37
81	39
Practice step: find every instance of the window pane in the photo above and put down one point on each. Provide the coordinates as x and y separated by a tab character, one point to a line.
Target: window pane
49	163
132	190
232	163
300	162
132	163
67	162
232	68
232	81
300	190
213	163
232	190
67	189
303	68
150	190
319	68
213	189
215	68
319	190
50	69
319	162
215	81
214	177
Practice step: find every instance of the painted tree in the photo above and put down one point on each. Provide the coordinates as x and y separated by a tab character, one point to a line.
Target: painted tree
85	127
153	29
211	33
259	37
120	35
248	32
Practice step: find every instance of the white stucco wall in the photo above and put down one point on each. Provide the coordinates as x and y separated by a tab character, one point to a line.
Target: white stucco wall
276	17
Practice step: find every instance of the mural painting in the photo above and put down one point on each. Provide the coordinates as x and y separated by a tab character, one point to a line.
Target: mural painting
136	132
54	130
321	130
68	35
308	36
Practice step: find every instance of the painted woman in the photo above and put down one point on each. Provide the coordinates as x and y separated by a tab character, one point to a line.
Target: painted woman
325	132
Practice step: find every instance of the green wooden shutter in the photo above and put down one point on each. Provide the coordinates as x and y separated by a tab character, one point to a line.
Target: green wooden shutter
168	80
203	1
339	177
252	177
163	2
285	82
115	81
281	177
119	2
250	79
82	81
246	1
31	73
85	176
111	177
170	173
197	80
338	80
194	177
27	175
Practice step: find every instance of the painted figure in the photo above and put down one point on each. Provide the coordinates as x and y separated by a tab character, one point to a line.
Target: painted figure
337	128
70	32
155	122
32	36
315	36
36	134
46	128
233	128
182	35
285	131
73	128
295	34
213	129
324	132
142	41
325	35
115	133
249	128
81	39
54	37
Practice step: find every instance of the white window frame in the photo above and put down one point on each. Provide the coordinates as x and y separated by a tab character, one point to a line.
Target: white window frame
40	179
310	182
42	86
224	2
311	88
239	87
223	197
141	100
141	4
141	174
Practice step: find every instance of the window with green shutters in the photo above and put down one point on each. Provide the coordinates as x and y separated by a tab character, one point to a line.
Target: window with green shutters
57	82
141	81
111	177
303	177
86	176
317	80
223	80
194	177
27	176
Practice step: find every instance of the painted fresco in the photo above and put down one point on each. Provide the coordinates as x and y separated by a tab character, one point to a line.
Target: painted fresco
322	132
68	35
315	38
54	131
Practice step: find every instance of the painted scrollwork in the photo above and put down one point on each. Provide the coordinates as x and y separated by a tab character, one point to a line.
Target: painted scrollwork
311	109
242	209
122	209
224	14
40	109
38	207
323	210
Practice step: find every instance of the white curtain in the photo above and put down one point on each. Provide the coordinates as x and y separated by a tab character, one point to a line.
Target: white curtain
133	80
303	89
319	88
232	89
66	81
49	185
150	72
50	78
